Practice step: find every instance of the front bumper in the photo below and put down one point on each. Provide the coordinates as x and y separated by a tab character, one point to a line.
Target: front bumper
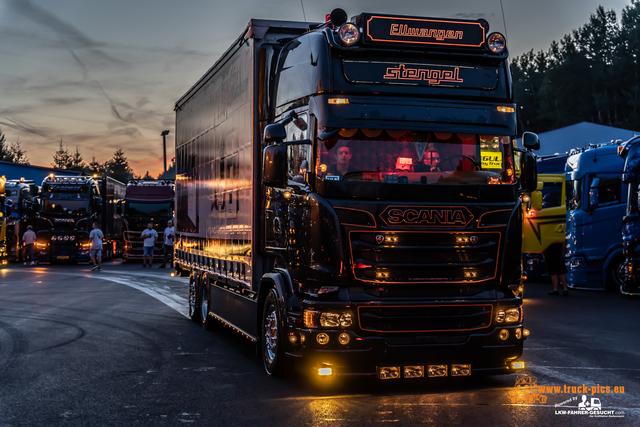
364	355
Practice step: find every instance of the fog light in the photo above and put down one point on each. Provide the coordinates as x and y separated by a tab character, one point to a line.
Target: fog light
504	334
437	371
414	371
517	365
525	332
344	338
293	339
323	372
322	338
390	373
460	370
518	333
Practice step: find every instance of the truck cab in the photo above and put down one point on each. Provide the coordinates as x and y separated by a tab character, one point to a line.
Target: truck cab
630	152
20	207
596	204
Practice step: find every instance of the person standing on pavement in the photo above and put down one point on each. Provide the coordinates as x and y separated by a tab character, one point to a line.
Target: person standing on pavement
168	244
150	236
95	252
554	258
29	239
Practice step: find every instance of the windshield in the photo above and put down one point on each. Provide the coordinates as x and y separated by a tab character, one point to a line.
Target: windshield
415	157
66	206
148	209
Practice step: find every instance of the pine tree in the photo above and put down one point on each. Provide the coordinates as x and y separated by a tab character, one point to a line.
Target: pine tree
76	161
95	167
19	155
170	172
118	167
5	151
61	158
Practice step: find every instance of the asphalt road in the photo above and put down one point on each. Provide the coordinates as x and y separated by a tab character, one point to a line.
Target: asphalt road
116	348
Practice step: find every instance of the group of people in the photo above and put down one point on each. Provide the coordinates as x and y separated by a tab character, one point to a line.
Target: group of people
96	237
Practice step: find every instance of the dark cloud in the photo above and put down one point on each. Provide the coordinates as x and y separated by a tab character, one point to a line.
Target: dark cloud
25	127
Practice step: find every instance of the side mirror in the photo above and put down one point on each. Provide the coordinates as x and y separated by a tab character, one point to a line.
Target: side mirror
536	201
274	133
529	172
274	163
530	141
594	195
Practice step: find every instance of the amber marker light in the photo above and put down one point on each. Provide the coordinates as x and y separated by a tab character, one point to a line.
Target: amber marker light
503	109
525	332
338	101
323	168
287	194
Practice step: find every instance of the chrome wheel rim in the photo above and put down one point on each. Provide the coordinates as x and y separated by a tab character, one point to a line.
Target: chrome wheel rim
192	297
620	275
271	335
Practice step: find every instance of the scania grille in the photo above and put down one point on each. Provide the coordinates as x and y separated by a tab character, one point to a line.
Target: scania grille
424	257
425	318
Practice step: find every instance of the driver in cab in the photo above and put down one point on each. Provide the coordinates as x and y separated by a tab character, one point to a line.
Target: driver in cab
343	158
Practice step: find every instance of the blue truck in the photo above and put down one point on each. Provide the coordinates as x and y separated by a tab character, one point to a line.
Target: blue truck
630	152
596	203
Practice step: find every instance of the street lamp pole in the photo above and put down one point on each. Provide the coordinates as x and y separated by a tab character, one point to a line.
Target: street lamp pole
164	147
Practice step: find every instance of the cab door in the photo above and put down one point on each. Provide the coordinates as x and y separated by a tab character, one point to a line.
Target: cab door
544	220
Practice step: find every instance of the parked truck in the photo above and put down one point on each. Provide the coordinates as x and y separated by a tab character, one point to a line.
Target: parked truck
69	207
21	205
146	201
346	197
3	224
630	152
596	204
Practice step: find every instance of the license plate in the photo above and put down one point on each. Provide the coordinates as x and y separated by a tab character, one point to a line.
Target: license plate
63	257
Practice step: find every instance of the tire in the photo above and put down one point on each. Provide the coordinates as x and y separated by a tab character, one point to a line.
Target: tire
271	339
615	274
194	306
208	322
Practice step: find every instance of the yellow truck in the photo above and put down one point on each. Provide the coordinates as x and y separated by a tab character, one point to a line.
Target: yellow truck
3	224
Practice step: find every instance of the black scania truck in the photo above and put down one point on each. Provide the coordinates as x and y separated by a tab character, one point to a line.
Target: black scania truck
69	207
347	198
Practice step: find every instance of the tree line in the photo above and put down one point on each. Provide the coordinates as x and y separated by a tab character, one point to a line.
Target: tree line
117	167
592	74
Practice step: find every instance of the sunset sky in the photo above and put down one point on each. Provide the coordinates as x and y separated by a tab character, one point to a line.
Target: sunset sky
106	74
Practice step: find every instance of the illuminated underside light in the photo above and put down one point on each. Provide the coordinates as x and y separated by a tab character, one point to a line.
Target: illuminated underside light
414	371
503	109
462	239
504	334
437	371
338	101
517	365
382	275
390	373
525	332
470	274
322	338
324	372
391	239
460	370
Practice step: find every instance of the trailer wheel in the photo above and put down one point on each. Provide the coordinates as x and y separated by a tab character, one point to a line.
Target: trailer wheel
271	340
208	322
194	308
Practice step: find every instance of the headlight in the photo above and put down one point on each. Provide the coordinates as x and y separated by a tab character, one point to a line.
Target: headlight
511	315
349	34
496	43
315	319
72	238
66	238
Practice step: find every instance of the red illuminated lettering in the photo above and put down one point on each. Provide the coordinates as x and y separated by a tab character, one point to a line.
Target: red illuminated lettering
431	33
433	77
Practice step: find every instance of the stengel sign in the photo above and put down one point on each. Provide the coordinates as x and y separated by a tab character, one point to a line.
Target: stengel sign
394	29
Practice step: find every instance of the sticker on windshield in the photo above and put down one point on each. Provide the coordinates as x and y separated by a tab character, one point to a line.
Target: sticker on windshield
491	159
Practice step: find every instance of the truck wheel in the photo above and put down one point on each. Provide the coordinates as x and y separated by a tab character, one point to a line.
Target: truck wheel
615	274
271	342
208	322
194	308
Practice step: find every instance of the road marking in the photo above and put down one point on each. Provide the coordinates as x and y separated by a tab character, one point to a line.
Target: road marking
168	298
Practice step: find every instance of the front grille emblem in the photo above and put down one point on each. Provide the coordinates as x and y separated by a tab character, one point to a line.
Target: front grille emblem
379	238
474	239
